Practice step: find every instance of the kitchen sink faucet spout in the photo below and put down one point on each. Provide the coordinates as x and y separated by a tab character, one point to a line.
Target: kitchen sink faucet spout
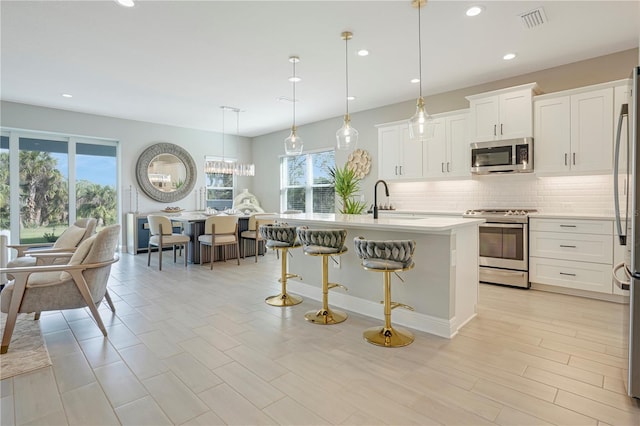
375	196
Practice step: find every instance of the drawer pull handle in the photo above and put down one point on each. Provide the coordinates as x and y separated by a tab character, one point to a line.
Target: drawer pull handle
566	246
567	226
564	273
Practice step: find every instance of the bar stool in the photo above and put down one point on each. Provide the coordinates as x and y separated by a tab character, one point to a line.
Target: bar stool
387	257
281	238
325	243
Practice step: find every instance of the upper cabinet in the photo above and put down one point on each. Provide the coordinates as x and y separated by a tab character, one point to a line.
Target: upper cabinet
399	157
574	131
502	114
446	155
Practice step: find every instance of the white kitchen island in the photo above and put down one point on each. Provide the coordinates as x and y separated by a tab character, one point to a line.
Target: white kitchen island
442	288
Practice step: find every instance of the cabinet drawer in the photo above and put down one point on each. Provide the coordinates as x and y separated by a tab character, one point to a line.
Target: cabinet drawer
580	247
570	274
578	226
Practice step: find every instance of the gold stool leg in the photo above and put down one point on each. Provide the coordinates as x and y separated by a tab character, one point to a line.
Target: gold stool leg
284	299
325	315
388	336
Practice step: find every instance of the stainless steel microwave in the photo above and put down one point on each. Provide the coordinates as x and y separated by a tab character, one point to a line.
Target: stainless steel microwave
505	156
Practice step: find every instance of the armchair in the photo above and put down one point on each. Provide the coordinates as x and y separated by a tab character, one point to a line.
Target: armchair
82	282
28	254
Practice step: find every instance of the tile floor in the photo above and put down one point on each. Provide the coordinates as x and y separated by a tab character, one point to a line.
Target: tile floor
195	347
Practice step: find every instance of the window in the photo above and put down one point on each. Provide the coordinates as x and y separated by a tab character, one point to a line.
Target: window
219	188
48	181
305	182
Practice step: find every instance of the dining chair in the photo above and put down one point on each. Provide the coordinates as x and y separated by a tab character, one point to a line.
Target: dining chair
219	231
256	220
161	236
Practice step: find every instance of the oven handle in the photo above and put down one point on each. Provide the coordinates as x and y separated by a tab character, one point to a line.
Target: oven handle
503	225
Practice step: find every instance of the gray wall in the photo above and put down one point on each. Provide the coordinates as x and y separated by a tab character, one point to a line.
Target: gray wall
134	137
268	148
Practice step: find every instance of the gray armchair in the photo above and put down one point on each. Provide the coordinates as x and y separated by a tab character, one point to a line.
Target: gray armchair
44	253
80	282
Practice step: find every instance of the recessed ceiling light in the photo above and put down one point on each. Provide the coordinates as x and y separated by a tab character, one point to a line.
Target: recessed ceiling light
474	11
415	80
295	79
66	95
351	98
363	52
286	99
509	56
126	3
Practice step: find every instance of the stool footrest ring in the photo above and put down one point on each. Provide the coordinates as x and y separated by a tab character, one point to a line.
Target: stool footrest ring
401	305
334	285
288	275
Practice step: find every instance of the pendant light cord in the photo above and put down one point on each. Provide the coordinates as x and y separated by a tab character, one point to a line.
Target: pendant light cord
294	93
346	71
420	45
223	109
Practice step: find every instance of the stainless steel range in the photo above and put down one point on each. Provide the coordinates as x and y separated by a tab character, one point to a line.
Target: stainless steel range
504	246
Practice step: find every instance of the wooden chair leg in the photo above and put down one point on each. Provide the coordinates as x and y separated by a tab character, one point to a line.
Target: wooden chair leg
107	297
20	284
160	257
257	249
82	286
238	251
149	256
174	253
36	316
211	255
186	254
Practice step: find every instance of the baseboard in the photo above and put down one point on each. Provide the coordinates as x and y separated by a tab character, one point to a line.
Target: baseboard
581	293
411	319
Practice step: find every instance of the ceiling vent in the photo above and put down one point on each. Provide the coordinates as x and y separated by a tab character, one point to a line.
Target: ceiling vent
533	18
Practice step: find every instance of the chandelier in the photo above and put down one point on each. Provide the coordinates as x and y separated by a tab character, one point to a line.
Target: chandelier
230	167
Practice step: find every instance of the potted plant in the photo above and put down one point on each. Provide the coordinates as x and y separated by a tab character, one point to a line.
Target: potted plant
347	184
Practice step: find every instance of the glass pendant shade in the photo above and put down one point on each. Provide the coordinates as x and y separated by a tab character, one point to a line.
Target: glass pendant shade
346	135
293	144
421	124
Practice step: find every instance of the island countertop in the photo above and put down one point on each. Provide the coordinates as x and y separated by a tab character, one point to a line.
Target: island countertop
419	224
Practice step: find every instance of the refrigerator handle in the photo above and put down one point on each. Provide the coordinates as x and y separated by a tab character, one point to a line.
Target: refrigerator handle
624	285
624	111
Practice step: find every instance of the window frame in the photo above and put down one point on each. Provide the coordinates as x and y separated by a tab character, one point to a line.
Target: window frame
207	187
309	185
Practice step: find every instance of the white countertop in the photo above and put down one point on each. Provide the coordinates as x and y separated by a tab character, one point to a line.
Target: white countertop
414	224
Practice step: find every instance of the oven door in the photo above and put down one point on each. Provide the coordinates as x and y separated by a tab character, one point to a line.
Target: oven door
504	245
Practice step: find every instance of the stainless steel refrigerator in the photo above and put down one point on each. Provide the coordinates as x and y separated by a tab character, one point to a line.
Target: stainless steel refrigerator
626	178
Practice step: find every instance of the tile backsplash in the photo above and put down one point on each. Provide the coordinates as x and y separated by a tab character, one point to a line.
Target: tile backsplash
553	194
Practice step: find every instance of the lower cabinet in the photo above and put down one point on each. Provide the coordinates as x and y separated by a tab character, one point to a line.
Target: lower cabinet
572	253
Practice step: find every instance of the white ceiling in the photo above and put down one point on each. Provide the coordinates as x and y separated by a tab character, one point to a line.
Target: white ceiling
176	62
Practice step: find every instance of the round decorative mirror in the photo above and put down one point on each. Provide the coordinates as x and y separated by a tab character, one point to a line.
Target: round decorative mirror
166	172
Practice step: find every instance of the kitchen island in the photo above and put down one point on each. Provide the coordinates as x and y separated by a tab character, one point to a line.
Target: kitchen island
442	288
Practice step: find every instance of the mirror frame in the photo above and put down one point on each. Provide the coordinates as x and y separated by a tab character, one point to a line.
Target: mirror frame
142	168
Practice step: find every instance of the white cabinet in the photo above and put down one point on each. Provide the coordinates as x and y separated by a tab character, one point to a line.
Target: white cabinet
502	114
573	131
446	154
399	157
571	253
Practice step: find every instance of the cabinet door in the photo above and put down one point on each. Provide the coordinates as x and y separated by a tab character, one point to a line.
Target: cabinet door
515	115
388	151
458	154
434	151
592	131
484	118
552	135
410	155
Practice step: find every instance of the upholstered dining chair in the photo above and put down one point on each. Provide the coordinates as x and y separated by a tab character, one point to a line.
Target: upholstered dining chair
219	231
43	253
161	235
256	220
82	282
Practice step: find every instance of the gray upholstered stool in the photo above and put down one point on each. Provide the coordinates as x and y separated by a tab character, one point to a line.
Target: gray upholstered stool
387	257
281	238
325	243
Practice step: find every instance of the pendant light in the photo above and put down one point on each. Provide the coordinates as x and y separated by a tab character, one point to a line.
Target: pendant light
421	124
347	136
224	166
293	144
